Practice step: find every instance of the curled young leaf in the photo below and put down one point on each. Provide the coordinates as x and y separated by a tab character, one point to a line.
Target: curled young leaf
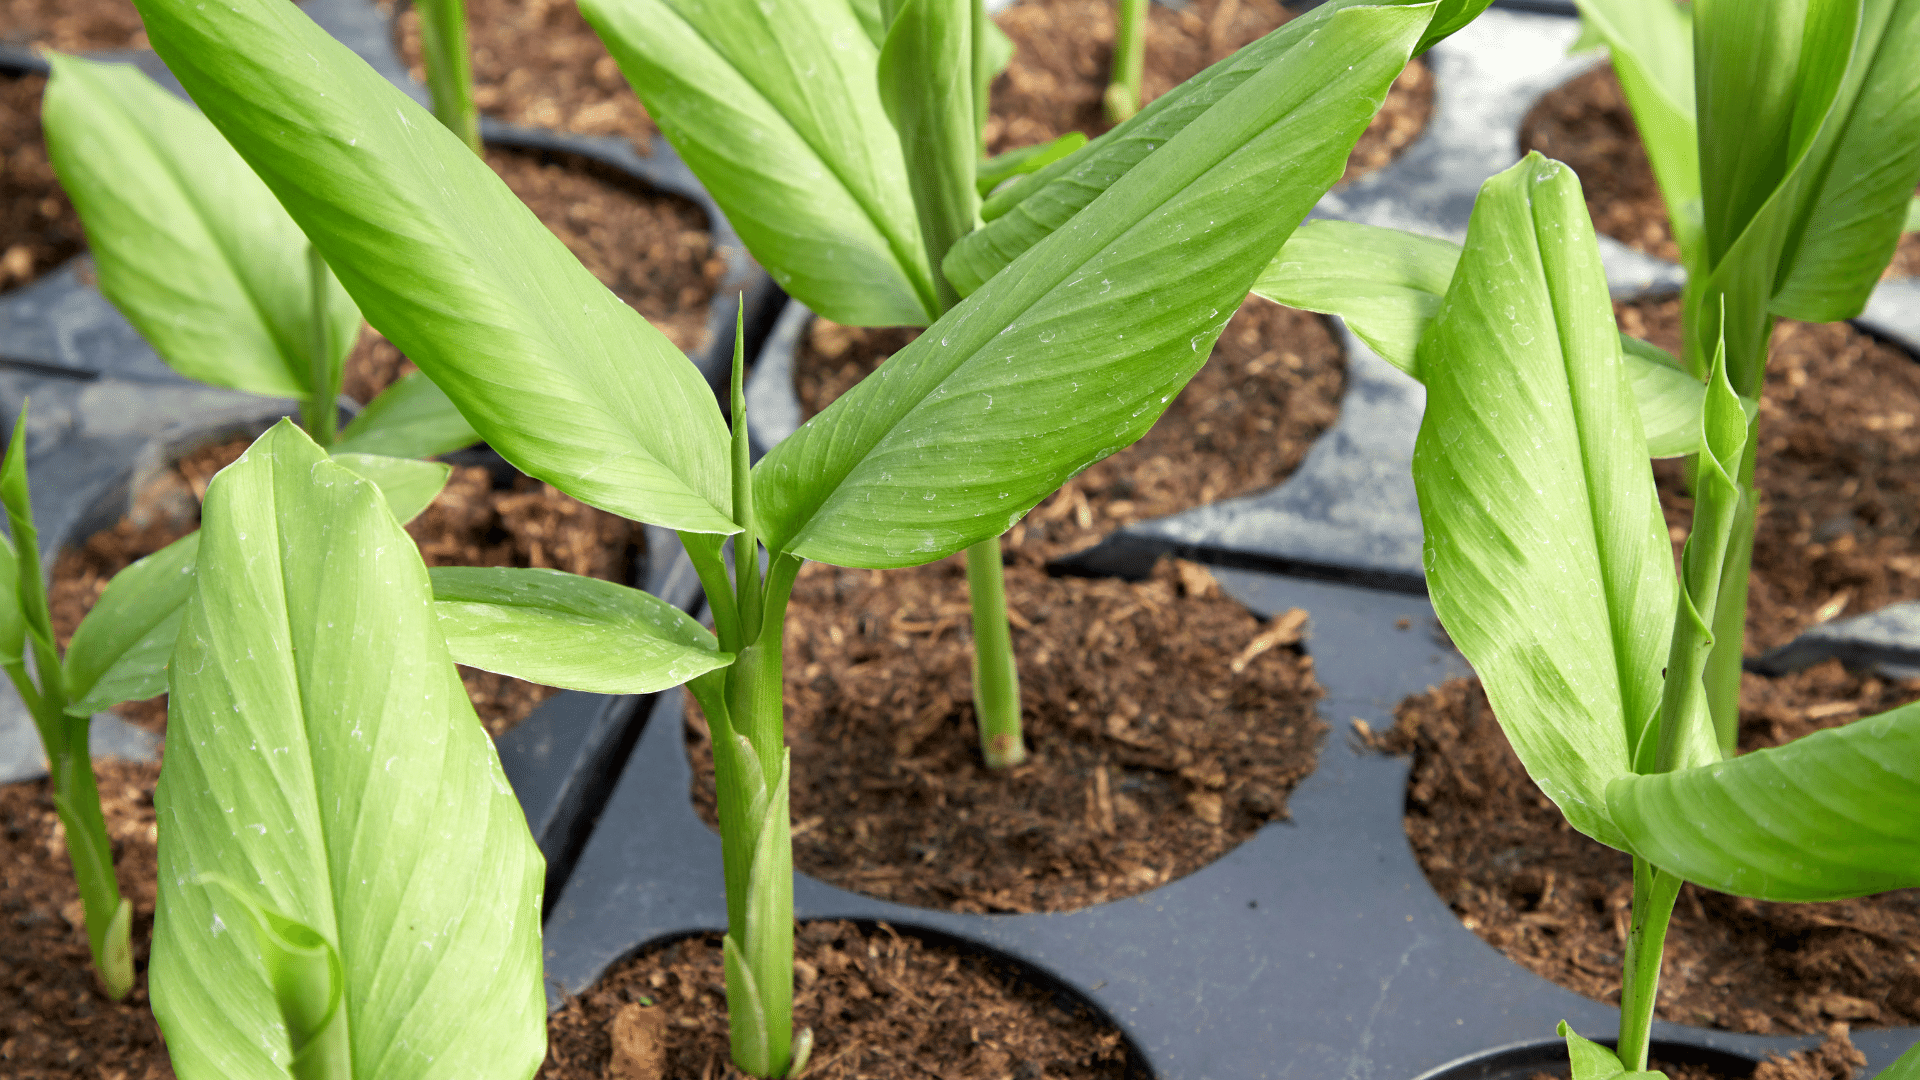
1591	1061
1546	555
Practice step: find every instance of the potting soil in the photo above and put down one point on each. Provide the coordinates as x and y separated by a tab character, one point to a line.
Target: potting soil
39	228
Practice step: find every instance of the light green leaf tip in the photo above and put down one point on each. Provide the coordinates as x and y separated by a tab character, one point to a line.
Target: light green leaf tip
1591	1061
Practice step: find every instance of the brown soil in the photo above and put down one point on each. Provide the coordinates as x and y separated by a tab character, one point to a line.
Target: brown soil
1586	124
538	63
1245	422
1557	902
471	523
39	229
1135	777
881	1004
1063	54
72	25
654	251
54	1021
1838	475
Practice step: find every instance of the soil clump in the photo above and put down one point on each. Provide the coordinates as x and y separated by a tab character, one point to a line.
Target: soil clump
72	26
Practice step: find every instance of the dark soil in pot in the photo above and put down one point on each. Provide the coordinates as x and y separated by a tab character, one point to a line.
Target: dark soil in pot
1165	725
882	1005
1834	1059
1557	902
39	229
72	25
54	1021
1838	475
1245	422
538	63
1063	56
1586	123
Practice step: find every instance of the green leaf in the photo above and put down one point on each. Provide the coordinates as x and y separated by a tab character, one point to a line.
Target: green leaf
1073	351
776	110
1907	1067
120	651
1388	285
1021	215
1864	197
413	418
571	385
1913	218
1826	817
321	751
30	590
1591	1061
565	630
1449	18
188	243
992	50
1546	555
1651	42
408	485
13	625
873	19
1001	168
926	80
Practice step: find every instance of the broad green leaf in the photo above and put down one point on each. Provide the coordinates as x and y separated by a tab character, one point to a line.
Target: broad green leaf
1546	555
1072	352
322	753
1591	1061
408	484
1022	214
873	19
1906	1067
1864	194
413	418
1001	168
120	651
926	80
1826	817
565	630
571	385
992	49
188	243
1388	286
775	108
1651	42
1449	18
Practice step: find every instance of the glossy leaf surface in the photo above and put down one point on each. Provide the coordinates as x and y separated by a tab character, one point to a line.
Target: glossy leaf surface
571	385
188	243
1388	285
1546	555
1825	817
409	485
565	630
776	109
322	753
413	418
1073	351
120	651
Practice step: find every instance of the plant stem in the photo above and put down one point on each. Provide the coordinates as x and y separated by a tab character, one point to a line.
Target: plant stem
996	682
443	42
1654	891
1722	675
321	411
1122	98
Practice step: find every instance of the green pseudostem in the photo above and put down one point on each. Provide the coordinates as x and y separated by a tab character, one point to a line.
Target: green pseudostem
321	414
745	716
76	797
1122	98
443	43
927	88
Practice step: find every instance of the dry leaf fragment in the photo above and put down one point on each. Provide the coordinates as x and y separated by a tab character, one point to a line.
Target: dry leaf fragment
1285	630
639	1044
